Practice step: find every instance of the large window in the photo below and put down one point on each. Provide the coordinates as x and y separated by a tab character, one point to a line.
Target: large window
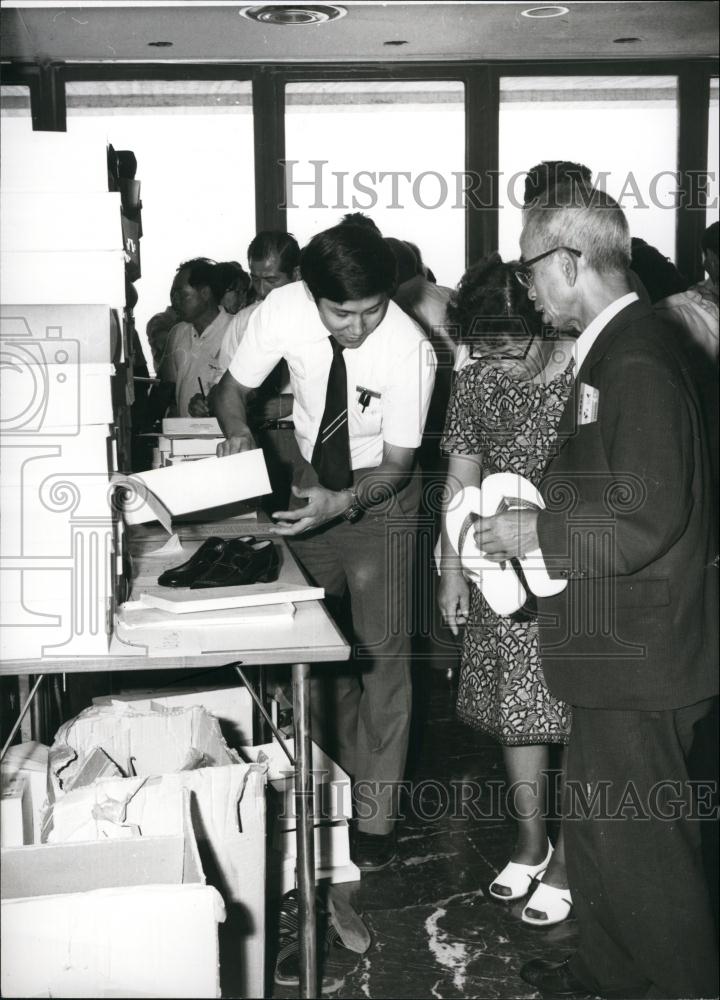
624	128
393	150
713	205
194	146
15	116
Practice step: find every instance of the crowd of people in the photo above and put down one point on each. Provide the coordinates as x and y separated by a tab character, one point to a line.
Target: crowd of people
588	367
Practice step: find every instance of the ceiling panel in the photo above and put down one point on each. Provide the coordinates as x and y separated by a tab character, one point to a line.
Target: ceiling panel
432	31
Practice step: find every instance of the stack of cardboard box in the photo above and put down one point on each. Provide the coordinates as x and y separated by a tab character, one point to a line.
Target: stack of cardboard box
63	399
114	901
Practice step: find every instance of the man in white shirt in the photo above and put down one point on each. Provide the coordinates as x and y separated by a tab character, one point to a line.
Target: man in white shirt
192	351
631	642
353	513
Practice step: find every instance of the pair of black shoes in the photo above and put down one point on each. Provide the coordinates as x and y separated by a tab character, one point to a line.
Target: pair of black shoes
226	562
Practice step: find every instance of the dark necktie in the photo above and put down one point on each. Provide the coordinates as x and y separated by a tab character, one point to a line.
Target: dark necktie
331	454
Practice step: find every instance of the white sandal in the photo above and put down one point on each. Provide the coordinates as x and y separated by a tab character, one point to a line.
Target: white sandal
553	902
518	878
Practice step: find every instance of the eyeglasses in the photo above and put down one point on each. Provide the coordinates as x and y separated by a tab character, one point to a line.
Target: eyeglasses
525	276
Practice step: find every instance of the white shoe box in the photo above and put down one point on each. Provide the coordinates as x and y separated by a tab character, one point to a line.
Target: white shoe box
52	221
73	278
94	332
55	161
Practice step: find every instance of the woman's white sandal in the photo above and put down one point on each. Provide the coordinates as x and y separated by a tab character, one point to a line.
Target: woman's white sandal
554	903
518	878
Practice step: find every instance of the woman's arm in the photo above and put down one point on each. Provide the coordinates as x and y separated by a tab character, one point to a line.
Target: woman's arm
454	590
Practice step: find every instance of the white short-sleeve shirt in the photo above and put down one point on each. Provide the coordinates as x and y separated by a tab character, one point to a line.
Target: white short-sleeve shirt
194	359
394	367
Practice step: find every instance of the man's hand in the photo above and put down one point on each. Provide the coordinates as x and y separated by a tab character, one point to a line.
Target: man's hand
454	599
507	536
198	407
234	445
322	506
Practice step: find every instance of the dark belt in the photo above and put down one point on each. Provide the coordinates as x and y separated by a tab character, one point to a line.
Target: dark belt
278	425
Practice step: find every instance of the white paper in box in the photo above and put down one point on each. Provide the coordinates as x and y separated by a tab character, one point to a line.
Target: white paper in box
228	811
331	785
73	278
191	486
231	706
51	221
142	743
95	329
110	918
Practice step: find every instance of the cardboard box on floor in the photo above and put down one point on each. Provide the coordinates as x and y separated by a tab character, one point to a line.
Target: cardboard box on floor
231	706
332	809
332	794
227	807
16	823
111	918
283	875
29	760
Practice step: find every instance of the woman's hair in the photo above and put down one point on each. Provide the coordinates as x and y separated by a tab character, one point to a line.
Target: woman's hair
490	308
228	276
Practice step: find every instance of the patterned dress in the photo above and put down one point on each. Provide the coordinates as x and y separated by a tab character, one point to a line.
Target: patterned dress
513	426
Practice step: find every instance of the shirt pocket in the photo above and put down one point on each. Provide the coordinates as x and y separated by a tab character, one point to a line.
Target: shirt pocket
365	422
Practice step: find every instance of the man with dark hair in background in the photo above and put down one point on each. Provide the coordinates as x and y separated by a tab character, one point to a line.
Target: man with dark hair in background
273	261
193	345
361	374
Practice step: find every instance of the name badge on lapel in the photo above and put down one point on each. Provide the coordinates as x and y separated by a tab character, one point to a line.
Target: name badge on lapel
588	402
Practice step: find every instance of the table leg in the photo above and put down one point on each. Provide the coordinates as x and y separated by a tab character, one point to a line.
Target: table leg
305	831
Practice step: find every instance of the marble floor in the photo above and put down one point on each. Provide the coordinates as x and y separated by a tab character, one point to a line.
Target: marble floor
436	932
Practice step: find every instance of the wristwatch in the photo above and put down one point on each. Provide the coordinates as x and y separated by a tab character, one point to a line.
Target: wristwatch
355	511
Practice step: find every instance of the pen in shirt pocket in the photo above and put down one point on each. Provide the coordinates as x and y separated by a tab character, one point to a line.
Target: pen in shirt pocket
365	395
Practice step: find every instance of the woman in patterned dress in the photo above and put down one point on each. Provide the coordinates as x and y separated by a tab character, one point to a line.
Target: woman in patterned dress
502	417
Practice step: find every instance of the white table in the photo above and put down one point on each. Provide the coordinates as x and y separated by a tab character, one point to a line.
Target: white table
312	637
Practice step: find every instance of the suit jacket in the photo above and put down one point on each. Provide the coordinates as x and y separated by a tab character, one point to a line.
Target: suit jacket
630	522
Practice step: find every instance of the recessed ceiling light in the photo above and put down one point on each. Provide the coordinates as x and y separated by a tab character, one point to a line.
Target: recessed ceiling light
626	41
161	45
293	13
543	12
396	41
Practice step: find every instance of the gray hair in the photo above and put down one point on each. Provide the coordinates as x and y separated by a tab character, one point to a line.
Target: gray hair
585	219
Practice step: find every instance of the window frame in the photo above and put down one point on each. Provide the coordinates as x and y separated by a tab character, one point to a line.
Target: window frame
482	111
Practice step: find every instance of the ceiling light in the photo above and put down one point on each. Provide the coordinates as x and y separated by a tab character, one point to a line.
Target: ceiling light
544	12
293	13
626	41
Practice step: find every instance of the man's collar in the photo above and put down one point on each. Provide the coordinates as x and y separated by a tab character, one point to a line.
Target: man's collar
593	330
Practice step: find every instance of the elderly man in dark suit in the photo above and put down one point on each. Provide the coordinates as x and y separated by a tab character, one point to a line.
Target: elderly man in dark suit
631	642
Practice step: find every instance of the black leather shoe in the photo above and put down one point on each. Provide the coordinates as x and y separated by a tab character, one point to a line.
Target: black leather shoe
554	979
241	563
201	561
373	851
